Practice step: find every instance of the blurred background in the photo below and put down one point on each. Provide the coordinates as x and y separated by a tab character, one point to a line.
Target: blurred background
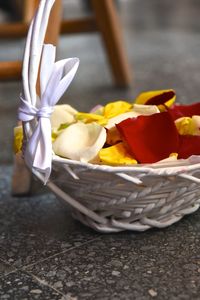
161	40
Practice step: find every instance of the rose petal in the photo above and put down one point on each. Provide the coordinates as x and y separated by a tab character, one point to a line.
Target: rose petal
90	117
150	138
116	155
188	145
160	98
188	126
80	141
172	157
113	121
62	114
98	109
178	111
138	110
116	108
145	110
113	136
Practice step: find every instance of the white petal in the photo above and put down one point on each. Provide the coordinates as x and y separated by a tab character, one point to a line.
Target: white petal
62	114
138	110
116	120
80	141
145	110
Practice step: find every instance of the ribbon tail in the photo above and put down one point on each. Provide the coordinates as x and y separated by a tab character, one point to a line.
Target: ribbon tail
38	154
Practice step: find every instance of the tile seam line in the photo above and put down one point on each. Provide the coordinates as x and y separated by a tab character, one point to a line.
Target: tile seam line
11	271
43	283
36	278
24	268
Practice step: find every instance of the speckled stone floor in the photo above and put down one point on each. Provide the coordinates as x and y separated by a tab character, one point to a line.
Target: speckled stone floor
44	253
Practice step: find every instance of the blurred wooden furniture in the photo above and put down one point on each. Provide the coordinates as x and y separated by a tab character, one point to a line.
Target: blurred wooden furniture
104	20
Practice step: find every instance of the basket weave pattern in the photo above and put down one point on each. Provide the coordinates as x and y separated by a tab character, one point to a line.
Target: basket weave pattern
107	201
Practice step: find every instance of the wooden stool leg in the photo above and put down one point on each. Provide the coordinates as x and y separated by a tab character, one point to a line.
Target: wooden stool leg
30	7
10	70
22	177
109	26
53	29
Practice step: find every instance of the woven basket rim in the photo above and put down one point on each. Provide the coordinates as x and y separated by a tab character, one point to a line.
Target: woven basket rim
176	167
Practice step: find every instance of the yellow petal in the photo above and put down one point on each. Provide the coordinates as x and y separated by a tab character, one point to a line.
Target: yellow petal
90	117
196	121
188	126
18	138
168	95
116	155
175	155
116	108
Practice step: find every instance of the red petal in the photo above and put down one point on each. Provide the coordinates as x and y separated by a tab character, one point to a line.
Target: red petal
178	111
189	145
161	98
150	138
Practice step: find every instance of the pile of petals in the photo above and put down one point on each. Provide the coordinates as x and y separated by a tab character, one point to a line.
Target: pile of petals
151	129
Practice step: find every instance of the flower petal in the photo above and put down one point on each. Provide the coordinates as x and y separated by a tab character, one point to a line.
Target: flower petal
178	111
80	141
113	136
18	139
62	114
89	117
189	145
150	138
113	109
115	120
116	155
160	98
145	110
188	126
98	109
138	110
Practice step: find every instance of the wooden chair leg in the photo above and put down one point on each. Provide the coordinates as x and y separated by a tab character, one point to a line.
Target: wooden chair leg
10	70
22	177
53	29
30	7
108	24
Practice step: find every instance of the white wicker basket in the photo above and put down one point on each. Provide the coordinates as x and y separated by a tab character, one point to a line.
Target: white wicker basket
111	199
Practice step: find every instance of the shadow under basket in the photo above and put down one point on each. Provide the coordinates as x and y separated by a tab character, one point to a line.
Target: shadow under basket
112	199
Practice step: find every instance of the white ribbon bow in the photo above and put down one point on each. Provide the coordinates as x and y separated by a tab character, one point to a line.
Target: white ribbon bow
54	80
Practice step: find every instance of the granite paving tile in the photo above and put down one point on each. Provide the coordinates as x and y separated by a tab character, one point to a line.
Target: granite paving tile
34	228
157	263
5	268
21	286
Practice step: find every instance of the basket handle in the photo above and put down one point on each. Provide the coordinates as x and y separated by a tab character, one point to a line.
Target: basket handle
35	111
71	201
